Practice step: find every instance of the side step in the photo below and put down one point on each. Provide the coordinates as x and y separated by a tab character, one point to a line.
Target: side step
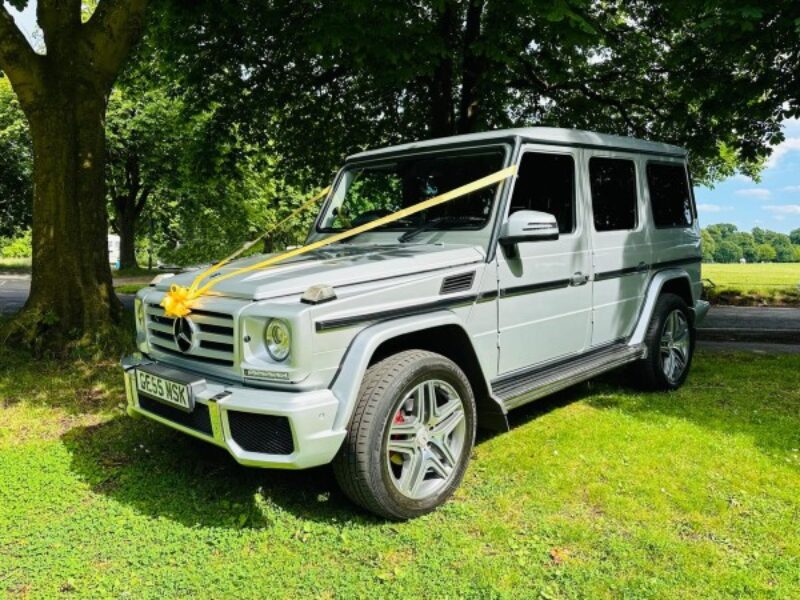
516	389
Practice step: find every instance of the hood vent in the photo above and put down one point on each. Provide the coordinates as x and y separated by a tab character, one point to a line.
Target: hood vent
457	283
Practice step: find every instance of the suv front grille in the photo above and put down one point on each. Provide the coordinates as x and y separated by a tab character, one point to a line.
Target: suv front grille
214	344
199	419
268	434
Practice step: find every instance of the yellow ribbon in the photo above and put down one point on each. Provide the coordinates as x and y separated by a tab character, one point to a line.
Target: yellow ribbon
179	300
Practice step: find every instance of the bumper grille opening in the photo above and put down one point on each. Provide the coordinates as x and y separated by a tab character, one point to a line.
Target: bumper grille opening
199	419
268	434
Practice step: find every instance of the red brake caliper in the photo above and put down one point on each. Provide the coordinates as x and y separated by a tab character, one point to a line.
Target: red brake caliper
396	457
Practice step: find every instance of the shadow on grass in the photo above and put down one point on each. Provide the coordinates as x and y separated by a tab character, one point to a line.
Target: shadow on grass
164	473
83	383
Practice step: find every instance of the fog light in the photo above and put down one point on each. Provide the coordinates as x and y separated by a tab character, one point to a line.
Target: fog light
278	339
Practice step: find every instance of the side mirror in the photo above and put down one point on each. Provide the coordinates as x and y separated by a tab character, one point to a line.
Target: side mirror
528	226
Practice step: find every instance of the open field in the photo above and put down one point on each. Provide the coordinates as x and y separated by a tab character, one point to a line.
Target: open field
752	284
599	492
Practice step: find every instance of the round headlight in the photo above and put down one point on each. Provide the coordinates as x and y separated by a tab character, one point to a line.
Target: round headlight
278	339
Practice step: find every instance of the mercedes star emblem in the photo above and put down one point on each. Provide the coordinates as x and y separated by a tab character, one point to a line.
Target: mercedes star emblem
183	332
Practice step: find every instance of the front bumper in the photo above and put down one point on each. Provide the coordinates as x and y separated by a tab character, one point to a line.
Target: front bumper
241	419
700	311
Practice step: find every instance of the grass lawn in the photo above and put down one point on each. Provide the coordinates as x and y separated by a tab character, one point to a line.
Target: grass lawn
15	265
130	288
770	283
597	492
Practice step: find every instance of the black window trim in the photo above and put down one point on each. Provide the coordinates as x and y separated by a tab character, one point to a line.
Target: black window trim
637	190
556	152
693	207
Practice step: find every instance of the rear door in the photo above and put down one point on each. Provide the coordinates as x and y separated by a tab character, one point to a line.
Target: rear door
545	291
620	243
675	234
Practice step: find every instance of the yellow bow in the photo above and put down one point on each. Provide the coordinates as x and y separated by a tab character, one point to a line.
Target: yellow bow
178	301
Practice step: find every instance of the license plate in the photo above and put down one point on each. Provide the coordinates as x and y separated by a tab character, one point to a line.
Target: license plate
169	392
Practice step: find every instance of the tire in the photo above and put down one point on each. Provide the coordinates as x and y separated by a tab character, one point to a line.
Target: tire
396	433
671	315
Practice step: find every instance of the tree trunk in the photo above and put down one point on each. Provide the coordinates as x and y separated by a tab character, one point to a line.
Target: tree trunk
474	68
442	85
71	280
126	224
64	94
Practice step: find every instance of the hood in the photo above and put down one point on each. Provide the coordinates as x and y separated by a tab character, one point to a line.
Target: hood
337	265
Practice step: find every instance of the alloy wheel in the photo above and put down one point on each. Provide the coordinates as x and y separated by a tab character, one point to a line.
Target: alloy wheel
675	345
426	438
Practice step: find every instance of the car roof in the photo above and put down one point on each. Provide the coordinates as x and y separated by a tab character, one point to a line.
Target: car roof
543	135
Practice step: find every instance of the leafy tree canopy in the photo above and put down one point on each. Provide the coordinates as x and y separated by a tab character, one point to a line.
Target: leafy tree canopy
16	163
326	78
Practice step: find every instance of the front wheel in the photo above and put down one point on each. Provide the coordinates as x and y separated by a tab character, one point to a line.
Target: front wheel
670	345
411	435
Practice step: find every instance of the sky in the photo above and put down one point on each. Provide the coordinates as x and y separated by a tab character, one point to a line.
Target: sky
772	203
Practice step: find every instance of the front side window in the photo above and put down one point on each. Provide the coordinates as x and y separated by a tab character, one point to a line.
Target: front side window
546	182
613	185
670	198
368	192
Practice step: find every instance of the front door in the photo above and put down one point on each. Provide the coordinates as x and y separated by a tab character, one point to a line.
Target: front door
545	286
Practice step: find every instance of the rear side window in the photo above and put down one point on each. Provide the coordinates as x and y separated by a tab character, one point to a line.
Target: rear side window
546	182
613	183
670	198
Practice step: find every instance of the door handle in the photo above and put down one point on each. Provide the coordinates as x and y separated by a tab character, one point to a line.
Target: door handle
578	279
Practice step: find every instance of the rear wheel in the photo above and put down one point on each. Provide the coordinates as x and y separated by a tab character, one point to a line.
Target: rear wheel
410	437
670	345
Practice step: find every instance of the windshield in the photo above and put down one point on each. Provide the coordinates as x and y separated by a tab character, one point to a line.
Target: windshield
368	192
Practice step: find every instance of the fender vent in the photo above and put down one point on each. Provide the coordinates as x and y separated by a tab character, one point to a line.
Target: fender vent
457	283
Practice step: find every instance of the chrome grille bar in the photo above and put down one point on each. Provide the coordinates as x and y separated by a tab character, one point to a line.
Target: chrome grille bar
215	341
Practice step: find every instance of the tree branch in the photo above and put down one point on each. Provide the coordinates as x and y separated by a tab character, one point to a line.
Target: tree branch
110	33
18	60
142	200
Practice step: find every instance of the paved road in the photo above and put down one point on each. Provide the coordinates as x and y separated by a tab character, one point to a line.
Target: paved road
14	291
751	324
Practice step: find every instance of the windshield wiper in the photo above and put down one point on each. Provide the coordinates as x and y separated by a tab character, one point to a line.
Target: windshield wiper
438	222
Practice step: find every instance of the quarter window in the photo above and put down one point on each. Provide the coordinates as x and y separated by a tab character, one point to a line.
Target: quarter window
546	182
613	183
670	197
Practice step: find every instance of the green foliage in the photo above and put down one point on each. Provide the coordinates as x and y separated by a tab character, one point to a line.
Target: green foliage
766	252
728	252
761	245
16	247
181	171
709	246
747	245
330	78
794	235
691	494
16	164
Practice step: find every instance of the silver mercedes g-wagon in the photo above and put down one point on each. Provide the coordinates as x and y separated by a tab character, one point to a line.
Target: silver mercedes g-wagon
383	352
